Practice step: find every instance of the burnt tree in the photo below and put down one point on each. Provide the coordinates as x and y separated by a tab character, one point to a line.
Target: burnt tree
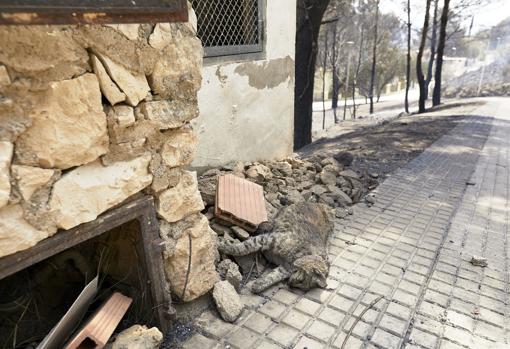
436	95
374	58
419	68
408	59
308	21
433	44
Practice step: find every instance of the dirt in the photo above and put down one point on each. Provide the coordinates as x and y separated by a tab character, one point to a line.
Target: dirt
382	149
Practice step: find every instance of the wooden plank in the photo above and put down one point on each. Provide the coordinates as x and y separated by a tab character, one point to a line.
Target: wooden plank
92	11
101	325
240	202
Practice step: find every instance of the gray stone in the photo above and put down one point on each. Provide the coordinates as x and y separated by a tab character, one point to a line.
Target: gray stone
227	301
318	189
207	188
327	176
479	261
240	233
220	229
229	271
349	174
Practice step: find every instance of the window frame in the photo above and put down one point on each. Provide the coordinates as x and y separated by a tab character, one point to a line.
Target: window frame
212	52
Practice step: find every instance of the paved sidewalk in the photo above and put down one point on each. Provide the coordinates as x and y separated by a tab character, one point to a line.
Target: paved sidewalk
400	274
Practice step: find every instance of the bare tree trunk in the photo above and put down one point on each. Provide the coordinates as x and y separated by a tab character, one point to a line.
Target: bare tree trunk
433	43
335	80
324	82
436	96
374	58
355	80
308	20
408	63
347	81
419	70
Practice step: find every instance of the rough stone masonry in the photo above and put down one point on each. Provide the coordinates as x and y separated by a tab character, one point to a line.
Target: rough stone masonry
89	116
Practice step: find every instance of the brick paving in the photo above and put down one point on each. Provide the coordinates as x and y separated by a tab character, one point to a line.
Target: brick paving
400	275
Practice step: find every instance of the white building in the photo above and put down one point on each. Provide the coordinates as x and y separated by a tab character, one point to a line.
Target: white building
247	96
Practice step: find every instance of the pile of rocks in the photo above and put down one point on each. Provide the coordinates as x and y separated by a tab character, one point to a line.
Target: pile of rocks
327	180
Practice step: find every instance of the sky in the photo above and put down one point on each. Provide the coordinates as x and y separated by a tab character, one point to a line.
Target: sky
490	14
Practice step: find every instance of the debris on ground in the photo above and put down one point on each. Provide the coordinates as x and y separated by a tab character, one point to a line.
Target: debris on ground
479	261
229	271
240	202
100	327
137	337
227	301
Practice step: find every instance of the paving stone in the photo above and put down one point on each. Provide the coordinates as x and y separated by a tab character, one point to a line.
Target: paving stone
283	334
321	331
285	296
268	345
308	306
272	309
308	343
258	323
296	319
423	338
332	316
199	341
242	338
385	339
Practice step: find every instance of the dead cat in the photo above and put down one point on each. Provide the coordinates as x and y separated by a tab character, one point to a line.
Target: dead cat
297	244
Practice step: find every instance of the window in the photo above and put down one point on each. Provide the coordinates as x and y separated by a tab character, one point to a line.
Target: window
229	27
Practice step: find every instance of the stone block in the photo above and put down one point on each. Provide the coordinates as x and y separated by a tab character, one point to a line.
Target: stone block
5	79
182	200
16	234
122	115
133	84
202	274
111	91
42	53
177	74
68	126
227	301
87	191
167	114
6	150
29	179
179	147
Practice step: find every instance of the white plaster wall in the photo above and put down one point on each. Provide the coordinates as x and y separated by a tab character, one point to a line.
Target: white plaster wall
240	118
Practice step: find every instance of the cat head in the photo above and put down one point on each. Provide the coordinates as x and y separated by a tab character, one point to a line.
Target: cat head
309	272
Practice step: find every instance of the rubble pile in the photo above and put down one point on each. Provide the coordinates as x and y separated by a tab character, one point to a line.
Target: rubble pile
321	179
327	180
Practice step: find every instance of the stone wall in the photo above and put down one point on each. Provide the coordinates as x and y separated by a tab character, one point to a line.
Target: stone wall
89	116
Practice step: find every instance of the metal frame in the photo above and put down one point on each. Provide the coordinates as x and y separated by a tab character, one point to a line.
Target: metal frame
140	209
74	12
230	50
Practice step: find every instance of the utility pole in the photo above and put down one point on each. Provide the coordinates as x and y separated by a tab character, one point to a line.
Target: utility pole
324	82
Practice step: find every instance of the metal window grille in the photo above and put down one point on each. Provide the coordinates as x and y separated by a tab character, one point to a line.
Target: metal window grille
229	27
